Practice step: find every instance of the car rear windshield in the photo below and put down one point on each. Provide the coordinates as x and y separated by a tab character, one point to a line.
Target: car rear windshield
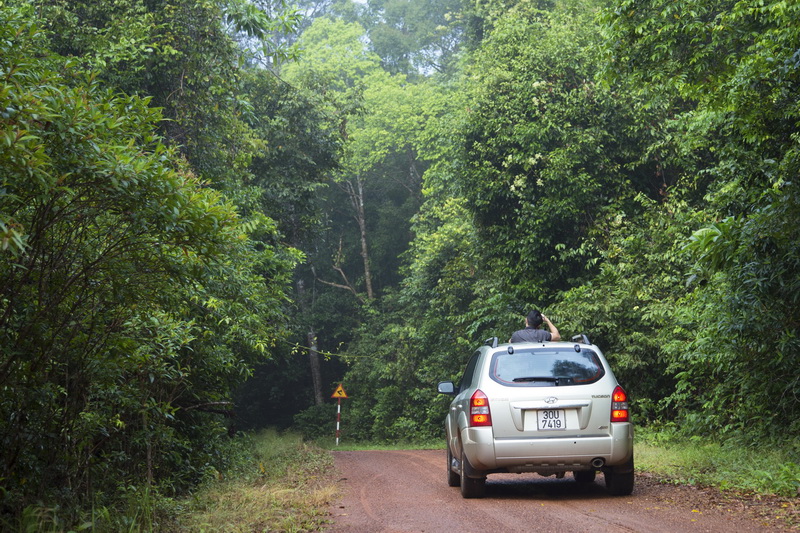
546	367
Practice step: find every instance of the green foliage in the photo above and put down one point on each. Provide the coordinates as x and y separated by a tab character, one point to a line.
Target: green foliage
633	175
412	37
132	299
299	152
389	384
764	468
740	68
334	57
548	152
316	422
628	308
380	117
630	167
739	366
264	22
278	483
181	55
270	479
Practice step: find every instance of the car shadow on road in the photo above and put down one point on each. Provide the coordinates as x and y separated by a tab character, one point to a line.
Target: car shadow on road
533	486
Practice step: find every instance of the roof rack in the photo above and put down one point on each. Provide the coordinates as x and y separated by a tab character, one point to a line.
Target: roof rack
491	341
582	338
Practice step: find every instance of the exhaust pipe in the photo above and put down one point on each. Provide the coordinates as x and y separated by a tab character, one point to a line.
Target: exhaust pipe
598	462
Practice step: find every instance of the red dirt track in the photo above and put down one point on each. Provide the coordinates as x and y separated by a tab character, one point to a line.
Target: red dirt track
406	491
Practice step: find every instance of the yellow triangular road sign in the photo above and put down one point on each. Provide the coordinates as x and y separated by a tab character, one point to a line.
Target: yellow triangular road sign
339	392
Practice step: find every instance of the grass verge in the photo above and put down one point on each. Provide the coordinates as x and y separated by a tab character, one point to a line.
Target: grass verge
278	483
697	461
347	446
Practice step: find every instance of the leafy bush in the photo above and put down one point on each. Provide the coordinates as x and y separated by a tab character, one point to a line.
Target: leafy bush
770	468
317	421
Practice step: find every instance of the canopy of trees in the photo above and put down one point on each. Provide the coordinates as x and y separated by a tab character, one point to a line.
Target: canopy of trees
630	168
194	193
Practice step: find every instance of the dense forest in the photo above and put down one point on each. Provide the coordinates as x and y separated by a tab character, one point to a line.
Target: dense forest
212	212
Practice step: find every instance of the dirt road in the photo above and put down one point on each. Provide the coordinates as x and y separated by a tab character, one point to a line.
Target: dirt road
405	491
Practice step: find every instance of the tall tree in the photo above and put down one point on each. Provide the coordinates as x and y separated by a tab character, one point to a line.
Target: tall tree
377	114
414	38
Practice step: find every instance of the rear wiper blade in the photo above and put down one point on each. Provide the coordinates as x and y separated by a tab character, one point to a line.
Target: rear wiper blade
536	378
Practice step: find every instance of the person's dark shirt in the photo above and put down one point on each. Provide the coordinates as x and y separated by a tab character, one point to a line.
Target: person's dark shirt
530	334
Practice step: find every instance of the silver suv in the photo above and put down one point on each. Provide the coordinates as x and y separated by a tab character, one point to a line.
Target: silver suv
550	408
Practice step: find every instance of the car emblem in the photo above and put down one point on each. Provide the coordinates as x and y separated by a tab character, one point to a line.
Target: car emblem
551	399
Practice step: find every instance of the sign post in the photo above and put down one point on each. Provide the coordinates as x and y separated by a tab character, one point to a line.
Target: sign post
339	393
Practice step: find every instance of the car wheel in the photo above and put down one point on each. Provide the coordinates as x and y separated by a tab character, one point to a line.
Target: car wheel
453	479
584	476
471	487
619	480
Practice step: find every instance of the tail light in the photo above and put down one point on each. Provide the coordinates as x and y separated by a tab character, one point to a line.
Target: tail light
479	414
619	405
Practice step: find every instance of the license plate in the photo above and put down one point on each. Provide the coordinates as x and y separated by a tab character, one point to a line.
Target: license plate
551	419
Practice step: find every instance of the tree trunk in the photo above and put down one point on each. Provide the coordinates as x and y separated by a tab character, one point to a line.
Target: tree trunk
316	372
357	200
313	352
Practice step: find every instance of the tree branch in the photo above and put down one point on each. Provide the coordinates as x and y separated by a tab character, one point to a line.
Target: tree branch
203	406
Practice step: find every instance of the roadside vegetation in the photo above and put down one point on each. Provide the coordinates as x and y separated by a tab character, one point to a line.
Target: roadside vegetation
276	482
760	469
271	482
213	212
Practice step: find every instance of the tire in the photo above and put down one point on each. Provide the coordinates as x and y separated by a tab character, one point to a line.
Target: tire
619	480
584	476
453	479
471	487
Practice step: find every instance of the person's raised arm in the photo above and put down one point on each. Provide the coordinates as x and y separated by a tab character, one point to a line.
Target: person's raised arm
554	334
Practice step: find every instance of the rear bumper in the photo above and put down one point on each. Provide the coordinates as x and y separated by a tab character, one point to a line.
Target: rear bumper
549	454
